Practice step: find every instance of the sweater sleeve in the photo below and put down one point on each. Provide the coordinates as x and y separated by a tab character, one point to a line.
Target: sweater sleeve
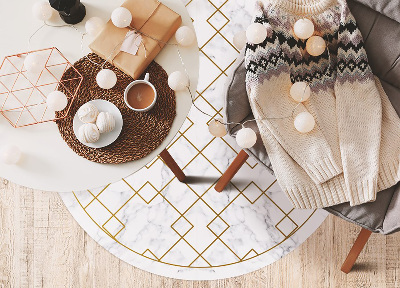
268	85
310	151
359	113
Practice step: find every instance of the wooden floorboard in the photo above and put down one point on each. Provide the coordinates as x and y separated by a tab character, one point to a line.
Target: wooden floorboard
41	245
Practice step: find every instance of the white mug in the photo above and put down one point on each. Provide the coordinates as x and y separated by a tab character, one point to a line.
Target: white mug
147	82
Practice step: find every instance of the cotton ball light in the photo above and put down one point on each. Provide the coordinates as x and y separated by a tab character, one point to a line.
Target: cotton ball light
34	63
10	155
56	101
121	17
185	36
304	122
300	91
216	128
106	79
303	28
42	10
315	45
178	81
240	39
256	33
94	25
246	138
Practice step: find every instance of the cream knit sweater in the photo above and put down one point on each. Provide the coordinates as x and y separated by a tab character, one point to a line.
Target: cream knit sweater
354	149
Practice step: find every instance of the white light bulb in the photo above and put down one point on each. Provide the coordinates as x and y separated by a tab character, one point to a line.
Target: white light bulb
185	36
303	28
42	10
246	138
304	122
94	25
216	128
178	81
121	17
315	45
56	101
300	91
34	63
106	79
240	39
256	33
10	155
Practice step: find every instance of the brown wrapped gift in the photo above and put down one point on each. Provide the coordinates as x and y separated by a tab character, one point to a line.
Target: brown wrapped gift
148	17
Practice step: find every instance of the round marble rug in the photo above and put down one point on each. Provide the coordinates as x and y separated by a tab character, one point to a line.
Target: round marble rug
189	231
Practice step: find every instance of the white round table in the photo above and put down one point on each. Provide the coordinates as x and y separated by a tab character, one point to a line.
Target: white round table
48	163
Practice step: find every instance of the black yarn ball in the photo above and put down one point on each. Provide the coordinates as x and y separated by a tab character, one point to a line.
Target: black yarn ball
71	11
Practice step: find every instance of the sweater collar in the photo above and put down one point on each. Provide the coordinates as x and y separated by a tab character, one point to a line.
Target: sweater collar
303	7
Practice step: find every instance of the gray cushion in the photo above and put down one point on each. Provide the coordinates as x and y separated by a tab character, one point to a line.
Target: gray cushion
381	35
389	8
381	216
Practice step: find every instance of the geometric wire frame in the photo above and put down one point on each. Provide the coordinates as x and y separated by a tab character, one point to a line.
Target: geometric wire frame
23	95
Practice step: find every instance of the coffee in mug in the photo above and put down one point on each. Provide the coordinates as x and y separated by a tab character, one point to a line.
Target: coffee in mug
140	95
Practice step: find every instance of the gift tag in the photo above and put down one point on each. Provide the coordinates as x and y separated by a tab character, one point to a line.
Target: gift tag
131	43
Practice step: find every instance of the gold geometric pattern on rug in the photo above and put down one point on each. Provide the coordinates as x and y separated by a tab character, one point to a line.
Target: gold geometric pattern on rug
218	224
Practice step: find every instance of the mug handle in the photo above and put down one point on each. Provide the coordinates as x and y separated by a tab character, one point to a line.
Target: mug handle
147	77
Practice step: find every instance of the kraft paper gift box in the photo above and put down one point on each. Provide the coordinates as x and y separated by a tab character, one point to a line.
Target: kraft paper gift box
148	17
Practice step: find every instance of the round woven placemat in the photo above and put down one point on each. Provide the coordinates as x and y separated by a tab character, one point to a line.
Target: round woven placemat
142	132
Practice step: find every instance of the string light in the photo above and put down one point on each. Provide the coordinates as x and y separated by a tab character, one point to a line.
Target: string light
106	79
239	40
56	101
303	28
315	45
34	63
178	81
256	33
185	36
300	91
246	138
10	155
304	122
121	17
216	128
42	10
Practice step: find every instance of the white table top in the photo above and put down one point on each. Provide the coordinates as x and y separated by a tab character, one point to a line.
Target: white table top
48	163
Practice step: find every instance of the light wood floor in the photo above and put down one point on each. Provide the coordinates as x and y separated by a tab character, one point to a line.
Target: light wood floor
41	245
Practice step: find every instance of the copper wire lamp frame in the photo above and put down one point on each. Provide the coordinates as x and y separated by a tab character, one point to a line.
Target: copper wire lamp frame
25	107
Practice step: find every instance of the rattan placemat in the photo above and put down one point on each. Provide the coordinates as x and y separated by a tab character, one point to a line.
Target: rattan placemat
141	133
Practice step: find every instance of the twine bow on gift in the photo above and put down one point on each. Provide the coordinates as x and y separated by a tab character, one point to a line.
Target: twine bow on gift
132	42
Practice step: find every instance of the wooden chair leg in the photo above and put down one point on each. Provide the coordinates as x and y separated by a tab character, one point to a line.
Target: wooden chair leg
231	171
356	250
170	162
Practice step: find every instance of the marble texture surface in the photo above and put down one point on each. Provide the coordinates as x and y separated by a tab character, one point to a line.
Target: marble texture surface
189	231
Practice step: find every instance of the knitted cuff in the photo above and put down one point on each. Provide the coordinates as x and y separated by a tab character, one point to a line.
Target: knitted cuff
314	196
323	170
363	191
389	174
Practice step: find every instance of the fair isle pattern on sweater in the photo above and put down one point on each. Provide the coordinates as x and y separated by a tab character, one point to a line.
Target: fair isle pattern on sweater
291	52
339	161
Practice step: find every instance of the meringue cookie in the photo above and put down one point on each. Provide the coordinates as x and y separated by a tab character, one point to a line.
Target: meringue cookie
105	122
89	133
88	113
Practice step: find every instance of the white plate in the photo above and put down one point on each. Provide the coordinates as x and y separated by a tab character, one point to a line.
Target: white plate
105	138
